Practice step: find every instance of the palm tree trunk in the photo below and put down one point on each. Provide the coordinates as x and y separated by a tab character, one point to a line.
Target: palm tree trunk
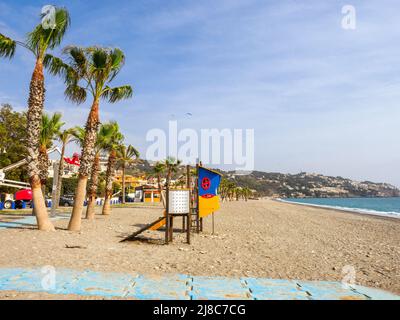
109	183
94	180
88	155
160	189
123	183
35	109
59	176
43	167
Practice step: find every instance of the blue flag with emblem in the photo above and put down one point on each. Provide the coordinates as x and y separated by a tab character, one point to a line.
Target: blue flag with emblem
208	184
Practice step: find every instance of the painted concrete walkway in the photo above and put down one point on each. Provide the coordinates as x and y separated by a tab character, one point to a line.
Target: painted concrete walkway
27	221
181	287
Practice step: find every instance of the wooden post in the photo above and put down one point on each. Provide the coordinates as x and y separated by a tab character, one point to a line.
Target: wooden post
197	197
171	228
183	224
167	213
213	223
188	185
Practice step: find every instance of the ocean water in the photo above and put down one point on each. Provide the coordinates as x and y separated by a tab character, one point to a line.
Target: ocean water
377	206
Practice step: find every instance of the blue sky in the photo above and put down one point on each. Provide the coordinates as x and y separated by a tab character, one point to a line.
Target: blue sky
320	98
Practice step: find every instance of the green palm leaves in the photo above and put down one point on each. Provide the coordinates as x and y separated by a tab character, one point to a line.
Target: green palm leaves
90	70
115	138
40	39
50	128
127	154
7	47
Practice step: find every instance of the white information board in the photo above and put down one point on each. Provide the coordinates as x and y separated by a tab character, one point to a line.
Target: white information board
179	201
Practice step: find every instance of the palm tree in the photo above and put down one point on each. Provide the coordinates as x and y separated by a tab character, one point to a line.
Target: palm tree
89	70
159	170
37	42
112	147
104	137
238	193
49	130
126	155
227	189
172	166
247	193
65	137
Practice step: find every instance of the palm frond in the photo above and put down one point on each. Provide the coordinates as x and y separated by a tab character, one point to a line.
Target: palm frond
50	128
66	136
78	59
41	38
7	46
55	65
78	134
127	154
117	94
132	152
75	93
117	61
99	58
117	58
63	21
110	136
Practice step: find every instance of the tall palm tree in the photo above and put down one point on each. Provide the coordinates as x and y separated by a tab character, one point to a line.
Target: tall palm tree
65	137
49	130
112	147
38	42
104	136
89	70
159	170
126	155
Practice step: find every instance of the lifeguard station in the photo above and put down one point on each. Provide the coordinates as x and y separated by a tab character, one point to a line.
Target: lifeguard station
194	203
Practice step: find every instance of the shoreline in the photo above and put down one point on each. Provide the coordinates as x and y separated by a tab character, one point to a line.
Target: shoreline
354	211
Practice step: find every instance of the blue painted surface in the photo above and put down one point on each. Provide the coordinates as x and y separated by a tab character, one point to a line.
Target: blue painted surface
97	284
26	222
325	290
267	289
210	288
171	287
181	287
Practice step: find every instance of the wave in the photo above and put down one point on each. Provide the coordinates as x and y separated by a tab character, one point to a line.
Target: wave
392	214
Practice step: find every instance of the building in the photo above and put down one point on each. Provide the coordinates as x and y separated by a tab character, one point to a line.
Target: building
147	193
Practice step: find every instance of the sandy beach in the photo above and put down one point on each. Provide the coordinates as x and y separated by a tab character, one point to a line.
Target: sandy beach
256	238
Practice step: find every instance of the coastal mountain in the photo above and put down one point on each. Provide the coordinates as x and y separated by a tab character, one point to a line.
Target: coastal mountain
301	185
312	185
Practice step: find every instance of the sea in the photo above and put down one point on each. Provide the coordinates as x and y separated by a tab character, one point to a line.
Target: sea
376	206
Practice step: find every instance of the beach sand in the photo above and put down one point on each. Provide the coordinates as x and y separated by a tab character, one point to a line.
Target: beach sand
254	239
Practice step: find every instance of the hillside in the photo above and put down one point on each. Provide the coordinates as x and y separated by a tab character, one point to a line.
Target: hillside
300	185
311	185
